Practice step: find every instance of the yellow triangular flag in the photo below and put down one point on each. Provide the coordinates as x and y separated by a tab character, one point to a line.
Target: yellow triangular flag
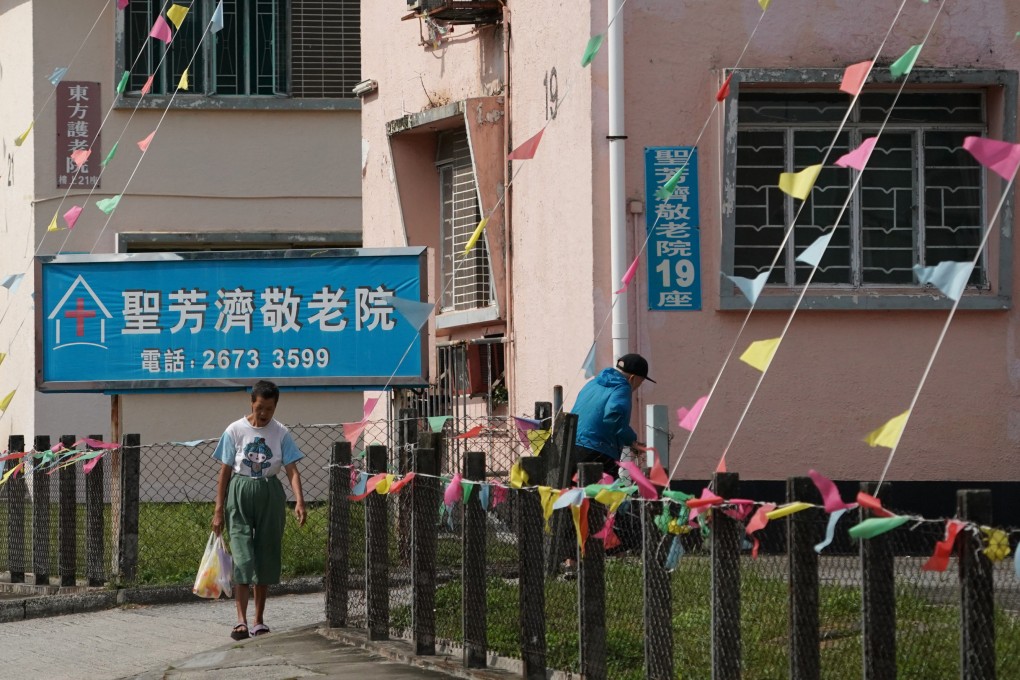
475	236
3	356
548	496
799	184
176	14
518	477
18	141
53	224
764	4
889	434
7	401
611	498
537	438
183	84
384	485
13	471
760	353
788	509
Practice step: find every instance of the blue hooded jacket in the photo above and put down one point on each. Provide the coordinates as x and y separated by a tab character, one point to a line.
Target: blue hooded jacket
603	414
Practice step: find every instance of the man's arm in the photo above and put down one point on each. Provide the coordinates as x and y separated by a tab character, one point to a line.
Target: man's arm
295	485
222	482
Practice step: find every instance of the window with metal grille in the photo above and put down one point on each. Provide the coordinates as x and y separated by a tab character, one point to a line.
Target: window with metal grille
300	48
466	278
921	199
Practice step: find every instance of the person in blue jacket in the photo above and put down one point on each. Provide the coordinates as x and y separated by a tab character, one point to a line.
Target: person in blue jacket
603	409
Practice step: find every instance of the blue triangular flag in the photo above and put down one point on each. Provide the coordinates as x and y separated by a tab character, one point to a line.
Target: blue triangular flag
12	281
416	313
589	363
483	496
216	25
359	488
813	254
676	551
57	75
751	288
949	277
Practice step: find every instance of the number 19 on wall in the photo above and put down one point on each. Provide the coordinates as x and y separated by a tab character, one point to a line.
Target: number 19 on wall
684	271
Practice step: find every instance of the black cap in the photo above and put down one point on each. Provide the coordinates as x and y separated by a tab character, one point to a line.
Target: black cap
635	364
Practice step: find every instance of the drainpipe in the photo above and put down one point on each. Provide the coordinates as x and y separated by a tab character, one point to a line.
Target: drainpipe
617	180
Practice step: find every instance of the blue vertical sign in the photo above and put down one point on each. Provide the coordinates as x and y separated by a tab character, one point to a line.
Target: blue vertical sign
674	236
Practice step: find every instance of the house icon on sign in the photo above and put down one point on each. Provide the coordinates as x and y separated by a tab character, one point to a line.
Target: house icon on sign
80	317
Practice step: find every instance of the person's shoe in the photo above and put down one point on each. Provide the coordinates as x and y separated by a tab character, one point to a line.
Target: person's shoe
240	632
259	629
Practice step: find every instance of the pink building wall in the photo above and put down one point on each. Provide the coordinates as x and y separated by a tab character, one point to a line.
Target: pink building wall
838	374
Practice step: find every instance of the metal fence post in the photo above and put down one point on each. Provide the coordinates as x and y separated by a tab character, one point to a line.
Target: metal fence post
558	454
658	606
95	526
425	499
803	533
977	589
473	566
67	519
338	541
591	579
130	474
407	440
726	536
16	514
377	568
40	516
878	601
532	575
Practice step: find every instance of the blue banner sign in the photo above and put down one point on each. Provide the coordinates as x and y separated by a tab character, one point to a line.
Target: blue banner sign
673	223
122	323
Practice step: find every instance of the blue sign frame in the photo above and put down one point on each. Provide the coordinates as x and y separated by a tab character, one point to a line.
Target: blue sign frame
165	321
674	230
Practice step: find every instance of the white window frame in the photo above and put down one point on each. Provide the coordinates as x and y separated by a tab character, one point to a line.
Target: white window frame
825	296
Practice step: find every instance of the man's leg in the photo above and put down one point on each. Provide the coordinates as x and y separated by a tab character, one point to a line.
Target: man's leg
241	600
261	592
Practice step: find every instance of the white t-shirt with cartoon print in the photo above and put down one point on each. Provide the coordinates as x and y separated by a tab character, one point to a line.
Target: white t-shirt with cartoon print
257	452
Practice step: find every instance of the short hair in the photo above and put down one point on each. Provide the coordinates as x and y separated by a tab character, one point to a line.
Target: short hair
266	390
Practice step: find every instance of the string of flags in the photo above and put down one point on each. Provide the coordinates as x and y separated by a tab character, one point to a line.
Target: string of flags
85	450
682	513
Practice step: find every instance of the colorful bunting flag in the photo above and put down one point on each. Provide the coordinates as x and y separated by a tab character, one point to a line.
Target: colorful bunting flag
628	276
759	354
518	477
788	509
889	434
764	4
7	400
121	4
580	517
658	475
666	190
122	85
872	504
182	84
830	494
472	433
12	281
524	426
57	75
537	439
526	151
147	87
476	235
436	423
396	486
592	49
161	30
176	14
216	25
414	311
1002	158
812	255
109	156
939	561
799	184
569	497
353	430
854	77
53	224
724	91
589	363
71	216
12	472
949	277
876	526
830	529
644	486
997	547
453	491
20	139
80	156
858	158
676	550
483	496
688	418
757	523
144	144
547	496
904	64
108	205
501	493
751	288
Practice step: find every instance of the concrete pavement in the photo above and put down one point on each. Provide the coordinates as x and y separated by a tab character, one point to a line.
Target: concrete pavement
151	642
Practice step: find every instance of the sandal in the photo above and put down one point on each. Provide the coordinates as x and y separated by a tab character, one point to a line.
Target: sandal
259	629
240	632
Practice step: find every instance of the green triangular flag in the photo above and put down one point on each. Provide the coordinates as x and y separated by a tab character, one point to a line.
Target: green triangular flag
108	205
592	49
109	156
467	488
903	65
123	82
667	189
662	521
876	526
437	422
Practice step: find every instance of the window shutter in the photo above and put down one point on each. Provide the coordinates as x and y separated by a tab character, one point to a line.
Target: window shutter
325	47
470	287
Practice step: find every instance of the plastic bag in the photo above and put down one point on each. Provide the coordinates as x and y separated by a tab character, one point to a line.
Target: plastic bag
214	570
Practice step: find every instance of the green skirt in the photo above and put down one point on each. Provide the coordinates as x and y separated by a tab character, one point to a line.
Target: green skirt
256	513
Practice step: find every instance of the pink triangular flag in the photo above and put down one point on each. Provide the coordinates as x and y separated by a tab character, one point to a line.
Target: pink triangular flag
352	431
499	494
370	406
628	276
607	527
830	494
147	87
721	467
526	151
854	77
454	492
645	488
144	144
688	419
79	156
71	216
658	474
1002	158
121	4
161	30
858	158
